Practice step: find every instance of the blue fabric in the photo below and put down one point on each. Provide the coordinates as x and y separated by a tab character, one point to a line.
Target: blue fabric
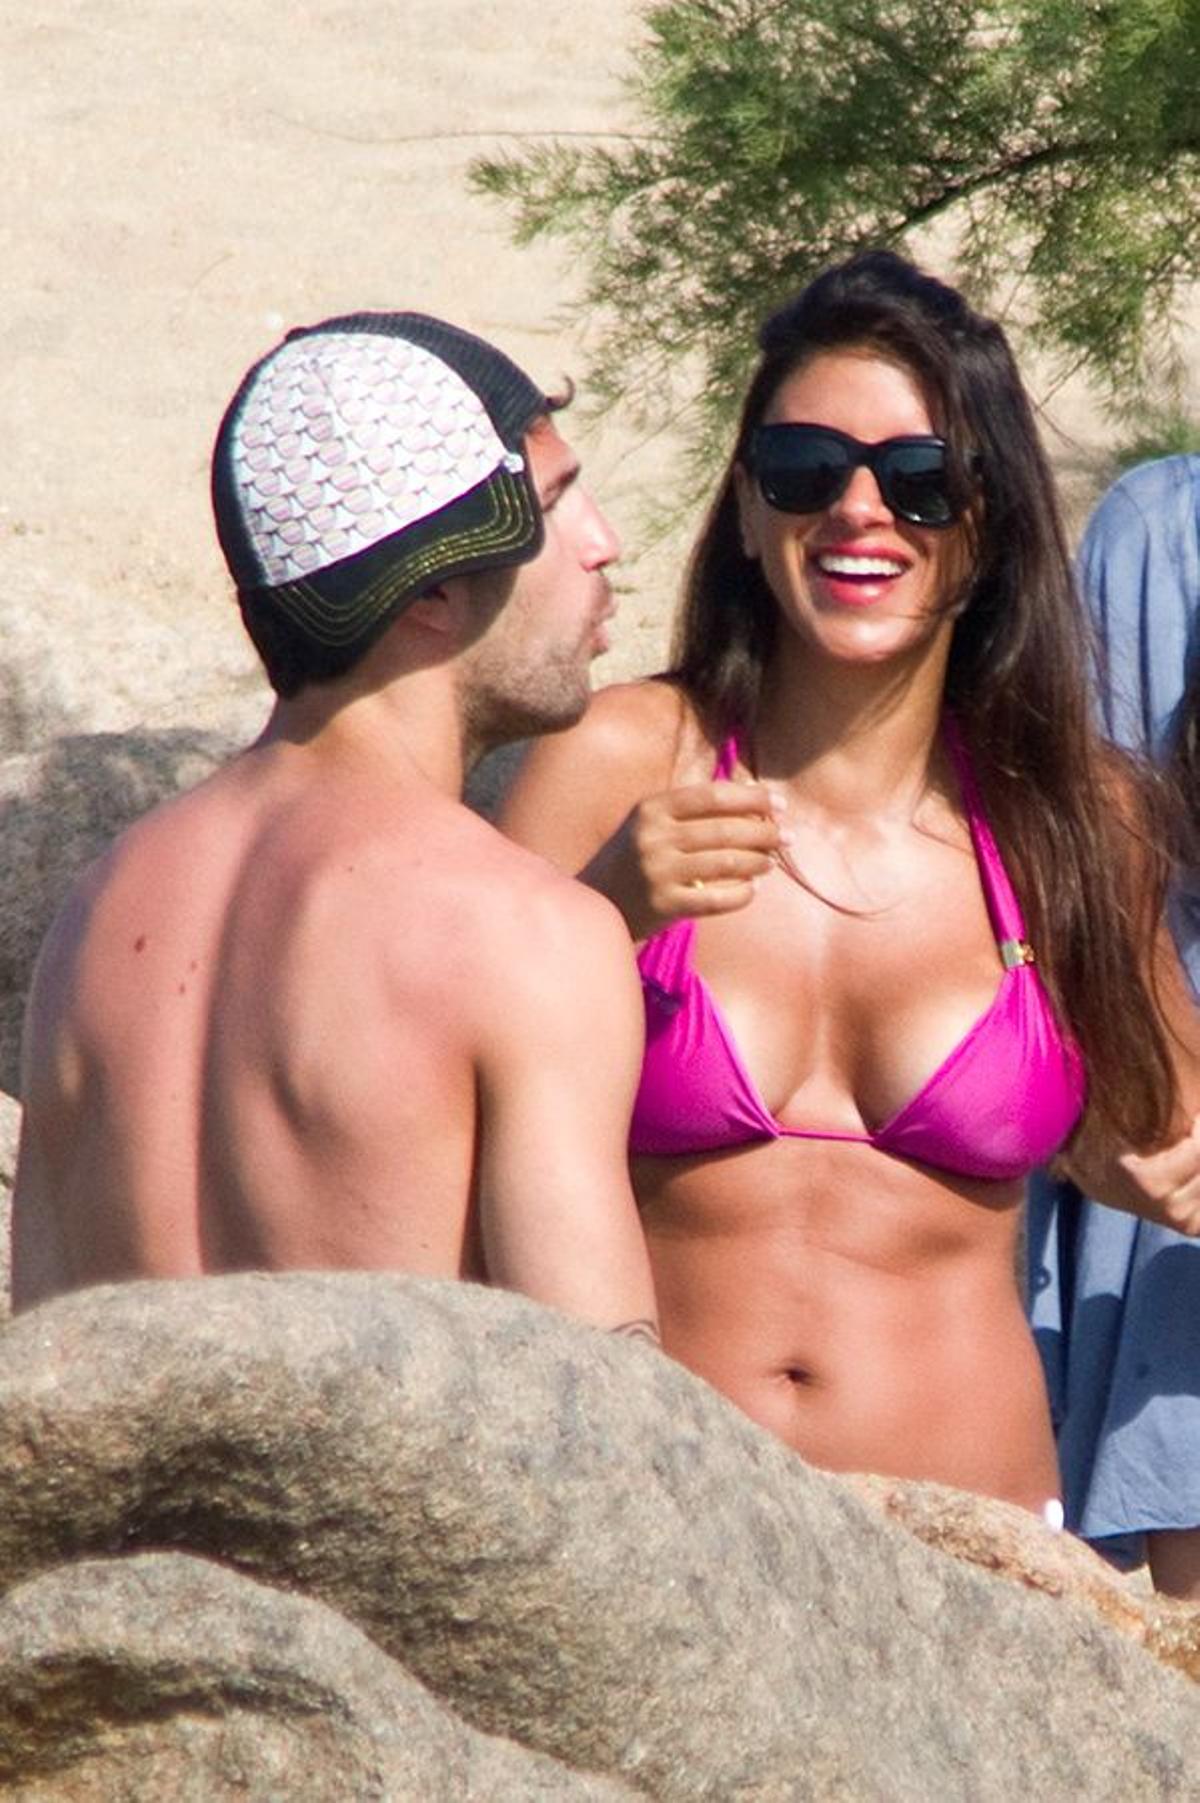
1115	1302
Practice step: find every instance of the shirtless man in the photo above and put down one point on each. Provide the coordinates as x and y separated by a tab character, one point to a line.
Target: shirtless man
315	1013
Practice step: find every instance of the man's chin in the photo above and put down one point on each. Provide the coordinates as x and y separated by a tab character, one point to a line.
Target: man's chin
530	721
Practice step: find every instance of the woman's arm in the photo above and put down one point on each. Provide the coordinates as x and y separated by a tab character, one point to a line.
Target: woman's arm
1161	1184
600	801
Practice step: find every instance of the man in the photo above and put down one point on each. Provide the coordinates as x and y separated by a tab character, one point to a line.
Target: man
315	1013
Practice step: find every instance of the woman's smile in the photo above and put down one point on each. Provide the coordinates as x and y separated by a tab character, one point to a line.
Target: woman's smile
856	575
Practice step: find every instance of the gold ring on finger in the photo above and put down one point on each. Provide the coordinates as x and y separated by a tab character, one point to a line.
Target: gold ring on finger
696	882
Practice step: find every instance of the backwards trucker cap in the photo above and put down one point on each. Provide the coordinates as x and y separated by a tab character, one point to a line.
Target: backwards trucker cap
367	458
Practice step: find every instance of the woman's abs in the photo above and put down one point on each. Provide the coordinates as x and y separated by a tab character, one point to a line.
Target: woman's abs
873	1327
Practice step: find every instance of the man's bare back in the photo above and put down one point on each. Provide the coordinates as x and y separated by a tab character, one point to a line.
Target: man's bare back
316	1014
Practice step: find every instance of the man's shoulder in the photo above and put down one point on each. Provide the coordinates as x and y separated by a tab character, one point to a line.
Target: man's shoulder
512	893
525	934
539	941
130	858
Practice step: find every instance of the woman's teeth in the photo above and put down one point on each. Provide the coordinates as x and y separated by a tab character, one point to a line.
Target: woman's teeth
841	565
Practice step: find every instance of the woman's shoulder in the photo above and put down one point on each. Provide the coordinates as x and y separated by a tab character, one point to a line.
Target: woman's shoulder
575	787
645	732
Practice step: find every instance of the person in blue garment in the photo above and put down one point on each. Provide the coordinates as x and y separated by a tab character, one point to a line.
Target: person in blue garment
1115	1300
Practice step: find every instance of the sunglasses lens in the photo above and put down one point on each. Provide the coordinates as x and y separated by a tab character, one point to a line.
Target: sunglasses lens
801	472
915	483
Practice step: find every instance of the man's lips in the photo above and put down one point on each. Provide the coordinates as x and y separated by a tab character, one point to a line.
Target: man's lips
600	633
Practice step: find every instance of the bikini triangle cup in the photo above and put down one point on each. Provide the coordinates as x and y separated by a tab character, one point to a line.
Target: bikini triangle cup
1001	1102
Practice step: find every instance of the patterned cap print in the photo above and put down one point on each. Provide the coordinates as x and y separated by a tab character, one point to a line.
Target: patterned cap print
347	440
365	459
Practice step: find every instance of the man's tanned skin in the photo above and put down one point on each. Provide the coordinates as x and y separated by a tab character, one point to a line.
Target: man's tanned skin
316	1014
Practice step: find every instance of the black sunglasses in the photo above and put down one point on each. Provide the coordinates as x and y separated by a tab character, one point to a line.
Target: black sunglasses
803	469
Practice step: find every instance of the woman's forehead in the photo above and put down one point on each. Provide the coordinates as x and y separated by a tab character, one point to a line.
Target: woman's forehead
858	389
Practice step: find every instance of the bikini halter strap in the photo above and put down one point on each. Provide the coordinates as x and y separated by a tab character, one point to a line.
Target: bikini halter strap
727	757
1008	922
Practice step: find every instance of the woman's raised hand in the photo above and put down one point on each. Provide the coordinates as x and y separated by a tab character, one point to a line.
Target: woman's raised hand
689	851
1165	1186
1161	1186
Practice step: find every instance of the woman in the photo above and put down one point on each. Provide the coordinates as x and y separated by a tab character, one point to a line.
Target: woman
1115	1300
865	1023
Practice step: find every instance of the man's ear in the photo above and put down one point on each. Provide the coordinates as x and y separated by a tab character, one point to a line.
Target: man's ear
747	507
442	608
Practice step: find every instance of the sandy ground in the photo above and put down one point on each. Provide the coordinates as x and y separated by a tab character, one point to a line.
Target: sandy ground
183	180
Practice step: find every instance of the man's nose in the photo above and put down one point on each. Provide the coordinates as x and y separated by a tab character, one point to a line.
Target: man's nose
602	544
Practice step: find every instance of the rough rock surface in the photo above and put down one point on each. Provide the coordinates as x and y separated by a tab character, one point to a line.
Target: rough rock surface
488	783
1014	1543
570	1540
169	1676
119	660
10	1132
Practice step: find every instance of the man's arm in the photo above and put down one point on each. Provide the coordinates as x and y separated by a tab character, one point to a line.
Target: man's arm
557	1072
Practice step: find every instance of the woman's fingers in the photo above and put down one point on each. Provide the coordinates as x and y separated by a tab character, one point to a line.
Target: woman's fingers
723	896
701	848
700	801
1169	1182
711	817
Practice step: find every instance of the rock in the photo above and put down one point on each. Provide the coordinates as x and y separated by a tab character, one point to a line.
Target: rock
10	1133
1014	1543
569	1539
59	808
81	658
168	1676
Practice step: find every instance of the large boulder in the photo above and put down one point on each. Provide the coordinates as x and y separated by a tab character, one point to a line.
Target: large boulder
1002	1538
10	1133
141	655
570	1540
169	1676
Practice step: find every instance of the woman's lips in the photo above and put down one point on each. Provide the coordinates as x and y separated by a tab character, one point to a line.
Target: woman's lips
859	577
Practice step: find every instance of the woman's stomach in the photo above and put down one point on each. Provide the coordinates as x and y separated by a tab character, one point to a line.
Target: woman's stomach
863	1309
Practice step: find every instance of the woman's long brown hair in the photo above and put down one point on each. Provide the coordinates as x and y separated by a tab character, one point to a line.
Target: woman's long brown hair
1079	835
1185	766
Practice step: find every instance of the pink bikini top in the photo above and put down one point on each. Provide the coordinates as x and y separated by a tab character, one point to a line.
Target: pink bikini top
1003	1101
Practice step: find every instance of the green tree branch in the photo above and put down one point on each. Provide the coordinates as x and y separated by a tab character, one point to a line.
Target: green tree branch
1059	141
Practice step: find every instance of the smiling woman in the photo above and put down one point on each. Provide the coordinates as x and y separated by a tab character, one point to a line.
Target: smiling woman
884	552
884	879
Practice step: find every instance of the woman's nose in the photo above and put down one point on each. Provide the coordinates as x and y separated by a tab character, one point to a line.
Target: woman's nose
862	499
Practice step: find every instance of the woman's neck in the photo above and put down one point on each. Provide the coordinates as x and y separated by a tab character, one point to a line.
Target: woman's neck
850	740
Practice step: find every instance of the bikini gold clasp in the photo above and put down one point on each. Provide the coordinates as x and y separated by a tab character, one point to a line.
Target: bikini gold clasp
1014	952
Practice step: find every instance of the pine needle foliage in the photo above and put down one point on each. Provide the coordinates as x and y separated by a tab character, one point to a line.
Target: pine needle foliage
1058	139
